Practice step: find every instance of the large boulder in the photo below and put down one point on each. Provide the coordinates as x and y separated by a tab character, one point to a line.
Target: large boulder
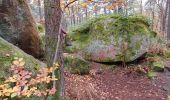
18	27
112	39
7	54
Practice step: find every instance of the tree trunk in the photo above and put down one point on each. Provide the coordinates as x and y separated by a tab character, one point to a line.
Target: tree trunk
40	11
153	17
95	12
54	42
168	27
86	13
52	22
73	15
141	7
105	11
18	26
164	18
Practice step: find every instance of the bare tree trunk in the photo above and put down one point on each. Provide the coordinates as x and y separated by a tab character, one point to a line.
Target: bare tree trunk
105	11
73	15
54	42
77	20
164	18
141	7
40	12
86	13
110	11
168	27
153	17
126	9
70	17
95	12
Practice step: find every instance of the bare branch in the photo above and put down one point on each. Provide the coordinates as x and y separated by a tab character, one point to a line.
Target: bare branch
70	3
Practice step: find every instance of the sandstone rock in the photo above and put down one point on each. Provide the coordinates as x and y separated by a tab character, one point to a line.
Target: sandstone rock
112	39
18	26
7	54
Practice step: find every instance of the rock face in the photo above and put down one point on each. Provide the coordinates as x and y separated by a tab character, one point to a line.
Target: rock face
18	26
112	39
6	29
76	64
7	54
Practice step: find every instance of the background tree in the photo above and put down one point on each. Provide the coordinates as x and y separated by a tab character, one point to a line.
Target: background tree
168	27
157	12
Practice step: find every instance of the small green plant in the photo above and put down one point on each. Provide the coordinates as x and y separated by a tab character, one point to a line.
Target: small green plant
158	66
151	75
167	54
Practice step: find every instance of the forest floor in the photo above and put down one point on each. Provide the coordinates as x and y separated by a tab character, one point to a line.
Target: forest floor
118	84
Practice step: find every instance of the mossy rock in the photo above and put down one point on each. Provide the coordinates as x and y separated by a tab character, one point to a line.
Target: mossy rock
112	38
75	64
7	54
158	66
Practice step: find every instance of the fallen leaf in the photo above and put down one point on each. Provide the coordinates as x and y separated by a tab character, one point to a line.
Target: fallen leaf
16	62
22	63
20	59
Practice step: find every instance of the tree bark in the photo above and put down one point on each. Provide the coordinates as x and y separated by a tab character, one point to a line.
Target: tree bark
73	15
86	13
141	7
153	16
52	22
164	18
168	27
40	11
105	11
54	42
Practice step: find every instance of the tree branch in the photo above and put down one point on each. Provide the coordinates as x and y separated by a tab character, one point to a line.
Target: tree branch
70	3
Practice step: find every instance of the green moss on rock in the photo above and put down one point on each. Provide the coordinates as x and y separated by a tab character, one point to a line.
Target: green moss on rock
111	38
7	54
76	65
